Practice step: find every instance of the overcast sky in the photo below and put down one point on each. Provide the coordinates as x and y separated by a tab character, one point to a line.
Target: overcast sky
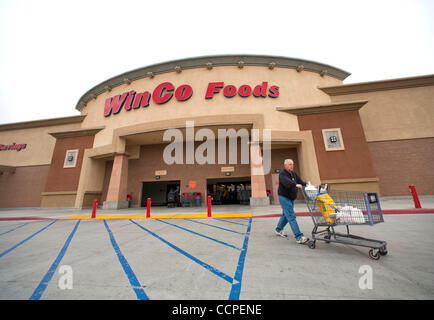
52	52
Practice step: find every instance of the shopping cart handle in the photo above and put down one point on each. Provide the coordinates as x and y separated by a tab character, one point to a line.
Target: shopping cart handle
324	187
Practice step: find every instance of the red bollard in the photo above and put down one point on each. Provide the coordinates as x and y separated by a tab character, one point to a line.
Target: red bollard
415	196
148	208
209	206
95	203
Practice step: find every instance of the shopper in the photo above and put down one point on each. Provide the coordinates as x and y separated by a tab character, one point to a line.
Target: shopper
129	199
289	183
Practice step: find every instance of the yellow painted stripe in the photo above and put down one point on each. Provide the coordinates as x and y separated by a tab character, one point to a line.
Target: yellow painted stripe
232	215
162	216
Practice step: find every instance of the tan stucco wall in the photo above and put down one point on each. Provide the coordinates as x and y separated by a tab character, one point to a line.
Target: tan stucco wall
396	114
398	123
23	187
39	149
91	179
366	185
296	88
305	151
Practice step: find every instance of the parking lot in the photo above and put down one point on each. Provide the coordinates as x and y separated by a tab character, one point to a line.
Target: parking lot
201	259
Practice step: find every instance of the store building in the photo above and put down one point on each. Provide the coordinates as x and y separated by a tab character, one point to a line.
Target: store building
373	136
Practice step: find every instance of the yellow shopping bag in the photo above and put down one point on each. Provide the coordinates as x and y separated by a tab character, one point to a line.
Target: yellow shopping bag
327	207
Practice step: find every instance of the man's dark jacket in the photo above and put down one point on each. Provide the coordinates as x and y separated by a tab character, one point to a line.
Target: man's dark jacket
287	184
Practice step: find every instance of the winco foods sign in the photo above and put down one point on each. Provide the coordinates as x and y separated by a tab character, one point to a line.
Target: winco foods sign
164	92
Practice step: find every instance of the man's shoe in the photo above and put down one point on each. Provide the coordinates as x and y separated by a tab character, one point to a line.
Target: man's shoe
302	240
280	233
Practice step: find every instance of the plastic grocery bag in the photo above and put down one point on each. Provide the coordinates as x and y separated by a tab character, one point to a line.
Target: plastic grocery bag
344	215
311	191
349	215
357	215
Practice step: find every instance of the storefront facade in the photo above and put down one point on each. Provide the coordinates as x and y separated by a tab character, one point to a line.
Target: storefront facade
375	136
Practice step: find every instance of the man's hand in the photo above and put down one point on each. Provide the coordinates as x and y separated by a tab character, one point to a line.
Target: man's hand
299	186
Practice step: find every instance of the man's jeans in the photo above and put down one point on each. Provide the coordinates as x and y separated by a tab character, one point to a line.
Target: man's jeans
288	216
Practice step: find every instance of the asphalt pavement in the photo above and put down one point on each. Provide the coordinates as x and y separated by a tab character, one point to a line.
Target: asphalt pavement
43	257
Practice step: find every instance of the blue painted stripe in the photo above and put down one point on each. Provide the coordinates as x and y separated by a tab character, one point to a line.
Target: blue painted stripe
140	293
236	286
46	279
211	225
199	234
241	224
14	229
26	239
201	263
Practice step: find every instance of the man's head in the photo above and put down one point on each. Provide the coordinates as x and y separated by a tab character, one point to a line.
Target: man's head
288	165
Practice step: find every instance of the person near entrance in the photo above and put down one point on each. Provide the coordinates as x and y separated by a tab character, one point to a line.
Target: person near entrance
289	183
129	199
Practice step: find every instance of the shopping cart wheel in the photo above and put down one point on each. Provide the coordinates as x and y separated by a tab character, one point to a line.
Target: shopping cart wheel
383	251
311	244
374	254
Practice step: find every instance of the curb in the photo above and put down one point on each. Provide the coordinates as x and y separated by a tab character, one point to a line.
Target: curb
204	216
391	211
24	218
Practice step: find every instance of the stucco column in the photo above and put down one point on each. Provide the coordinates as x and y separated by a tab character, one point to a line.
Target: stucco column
117	189
91	181
257	178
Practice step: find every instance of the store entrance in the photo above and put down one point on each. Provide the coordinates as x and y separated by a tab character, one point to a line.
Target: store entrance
159	192
229	190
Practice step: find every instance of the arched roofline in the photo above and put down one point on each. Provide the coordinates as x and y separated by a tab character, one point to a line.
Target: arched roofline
209	62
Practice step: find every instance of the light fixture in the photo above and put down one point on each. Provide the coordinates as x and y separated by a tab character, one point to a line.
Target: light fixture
157	177
323	73
150	74
300	68
178	69
271	65
209	65
127	81
227	173
240	64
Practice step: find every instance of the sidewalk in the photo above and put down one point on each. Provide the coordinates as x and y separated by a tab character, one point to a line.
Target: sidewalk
390	205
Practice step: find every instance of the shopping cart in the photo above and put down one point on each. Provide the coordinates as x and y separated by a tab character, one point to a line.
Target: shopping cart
332	208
